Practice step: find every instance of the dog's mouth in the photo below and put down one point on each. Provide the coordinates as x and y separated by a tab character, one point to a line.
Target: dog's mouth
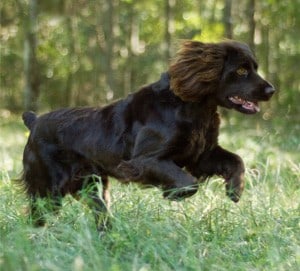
245	106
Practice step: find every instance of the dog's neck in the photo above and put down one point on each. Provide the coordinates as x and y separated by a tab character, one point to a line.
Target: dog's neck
206	106
195	110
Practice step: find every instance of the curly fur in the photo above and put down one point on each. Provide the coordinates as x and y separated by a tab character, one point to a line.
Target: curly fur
196	69
164	135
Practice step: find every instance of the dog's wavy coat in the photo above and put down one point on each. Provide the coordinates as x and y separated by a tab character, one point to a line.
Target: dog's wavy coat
164	135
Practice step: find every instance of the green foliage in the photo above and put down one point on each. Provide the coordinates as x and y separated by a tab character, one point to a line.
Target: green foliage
91	52
205	232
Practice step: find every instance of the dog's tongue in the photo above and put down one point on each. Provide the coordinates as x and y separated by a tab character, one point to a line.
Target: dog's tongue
252	106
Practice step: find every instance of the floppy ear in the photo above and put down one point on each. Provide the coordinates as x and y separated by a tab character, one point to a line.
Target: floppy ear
196	70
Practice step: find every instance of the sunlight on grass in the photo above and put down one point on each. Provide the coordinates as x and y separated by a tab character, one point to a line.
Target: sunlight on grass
12	140
205	232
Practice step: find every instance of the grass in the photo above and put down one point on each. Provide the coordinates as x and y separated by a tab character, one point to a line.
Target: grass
205	232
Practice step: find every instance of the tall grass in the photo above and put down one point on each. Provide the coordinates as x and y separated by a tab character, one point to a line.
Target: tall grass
205	232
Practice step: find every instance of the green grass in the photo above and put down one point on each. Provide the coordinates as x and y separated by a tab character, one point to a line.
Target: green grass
205	232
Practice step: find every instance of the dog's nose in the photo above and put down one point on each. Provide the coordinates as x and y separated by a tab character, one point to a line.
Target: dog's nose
269	90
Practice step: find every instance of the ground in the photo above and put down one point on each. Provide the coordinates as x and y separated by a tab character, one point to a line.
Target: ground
205	232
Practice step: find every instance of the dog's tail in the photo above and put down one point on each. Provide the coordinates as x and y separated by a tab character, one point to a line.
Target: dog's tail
29	119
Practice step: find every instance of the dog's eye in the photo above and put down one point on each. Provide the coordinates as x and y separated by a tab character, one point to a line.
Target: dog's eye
242	71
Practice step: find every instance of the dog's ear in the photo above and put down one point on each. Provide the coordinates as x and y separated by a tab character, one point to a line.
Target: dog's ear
196	70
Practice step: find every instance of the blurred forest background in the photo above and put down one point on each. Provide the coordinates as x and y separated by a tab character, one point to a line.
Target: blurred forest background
88	52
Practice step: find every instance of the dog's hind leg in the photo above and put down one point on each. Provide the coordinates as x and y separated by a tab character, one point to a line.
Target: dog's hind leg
42	202
38	181
56	166
40	206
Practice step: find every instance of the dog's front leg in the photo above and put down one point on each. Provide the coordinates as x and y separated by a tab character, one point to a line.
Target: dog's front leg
226	164
175	182
146	166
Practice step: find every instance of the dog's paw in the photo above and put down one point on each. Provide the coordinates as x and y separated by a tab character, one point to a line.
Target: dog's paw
234	192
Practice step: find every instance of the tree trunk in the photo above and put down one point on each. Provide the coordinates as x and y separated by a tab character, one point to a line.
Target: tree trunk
251	23
67	95
169	27
265	50
132	45
31	89
68	90
227	19
109	29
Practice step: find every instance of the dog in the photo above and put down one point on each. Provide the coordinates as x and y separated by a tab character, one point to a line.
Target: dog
165	135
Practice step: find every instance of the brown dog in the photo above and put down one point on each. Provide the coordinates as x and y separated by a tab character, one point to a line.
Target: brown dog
164	135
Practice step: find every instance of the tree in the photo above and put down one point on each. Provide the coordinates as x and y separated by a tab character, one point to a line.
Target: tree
169	27
110	24
227	18
87	52
251	23
31	71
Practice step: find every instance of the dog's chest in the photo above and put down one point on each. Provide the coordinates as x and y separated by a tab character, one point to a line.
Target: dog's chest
197	142
193	140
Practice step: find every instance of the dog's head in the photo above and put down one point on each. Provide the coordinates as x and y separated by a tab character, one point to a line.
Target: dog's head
225	71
